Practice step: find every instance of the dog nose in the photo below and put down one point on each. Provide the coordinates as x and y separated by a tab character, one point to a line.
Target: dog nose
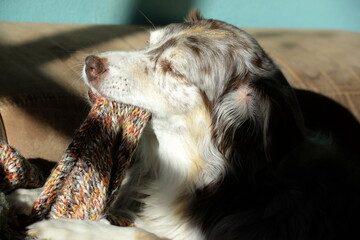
94	67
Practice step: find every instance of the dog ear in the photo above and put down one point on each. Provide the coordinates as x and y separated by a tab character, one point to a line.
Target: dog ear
258	122
194	16
278	116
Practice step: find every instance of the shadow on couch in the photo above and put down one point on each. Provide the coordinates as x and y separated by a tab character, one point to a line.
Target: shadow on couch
330	119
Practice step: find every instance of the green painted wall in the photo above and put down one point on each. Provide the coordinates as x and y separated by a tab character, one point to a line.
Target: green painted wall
333	14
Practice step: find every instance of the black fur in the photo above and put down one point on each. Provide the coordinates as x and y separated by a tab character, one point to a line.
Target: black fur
288	181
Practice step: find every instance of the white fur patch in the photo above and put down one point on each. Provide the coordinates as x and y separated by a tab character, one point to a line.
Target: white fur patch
22	200
71	229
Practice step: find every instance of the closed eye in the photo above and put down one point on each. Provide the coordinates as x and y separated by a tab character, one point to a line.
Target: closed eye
168	67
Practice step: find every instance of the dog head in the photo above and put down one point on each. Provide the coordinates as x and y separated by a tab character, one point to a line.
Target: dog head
208	67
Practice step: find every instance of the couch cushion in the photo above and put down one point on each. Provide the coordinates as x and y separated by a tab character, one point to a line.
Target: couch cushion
323	61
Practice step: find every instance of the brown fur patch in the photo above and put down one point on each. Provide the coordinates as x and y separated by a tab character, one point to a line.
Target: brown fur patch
257	61
194	30
214	24
157	51
167	67
207	102
194	48
205	31
194	16
205	70
142	235
198	122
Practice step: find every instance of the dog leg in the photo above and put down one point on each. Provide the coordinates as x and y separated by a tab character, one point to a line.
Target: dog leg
73	229
22	200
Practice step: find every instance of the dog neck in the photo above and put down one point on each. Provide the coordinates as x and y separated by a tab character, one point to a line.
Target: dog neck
181	150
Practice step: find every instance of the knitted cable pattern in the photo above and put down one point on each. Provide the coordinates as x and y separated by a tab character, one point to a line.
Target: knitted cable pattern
16	171
84	182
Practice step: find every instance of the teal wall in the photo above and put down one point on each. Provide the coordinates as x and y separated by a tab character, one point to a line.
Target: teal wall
333	14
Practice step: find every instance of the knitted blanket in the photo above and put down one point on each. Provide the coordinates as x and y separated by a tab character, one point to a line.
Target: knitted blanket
84	182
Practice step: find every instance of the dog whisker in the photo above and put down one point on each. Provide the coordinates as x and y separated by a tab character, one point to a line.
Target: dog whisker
143	14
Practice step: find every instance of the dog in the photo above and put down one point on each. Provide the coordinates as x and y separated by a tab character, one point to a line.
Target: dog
226	154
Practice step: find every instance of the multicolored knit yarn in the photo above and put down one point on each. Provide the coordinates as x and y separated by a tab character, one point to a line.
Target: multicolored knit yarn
83	183
16	171
92	169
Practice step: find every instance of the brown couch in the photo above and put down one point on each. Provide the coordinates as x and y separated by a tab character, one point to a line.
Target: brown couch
42	97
